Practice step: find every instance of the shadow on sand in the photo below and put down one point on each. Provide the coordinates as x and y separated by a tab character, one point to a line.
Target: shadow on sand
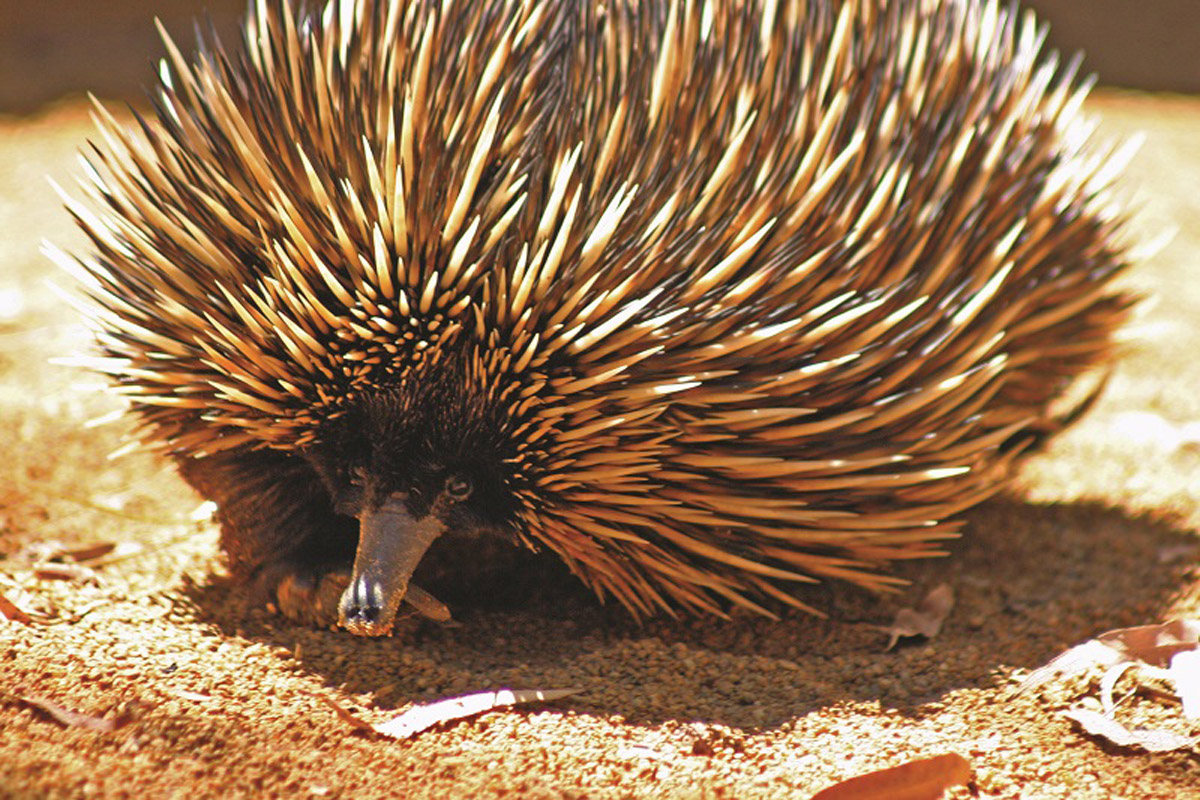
1030	580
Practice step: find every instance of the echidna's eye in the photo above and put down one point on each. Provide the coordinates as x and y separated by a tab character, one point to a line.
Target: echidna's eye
458	487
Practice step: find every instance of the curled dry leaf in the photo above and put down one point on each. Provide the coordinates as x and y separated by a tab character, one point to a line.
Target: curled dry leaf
52	560
53	551
924	620
642	751
1170	652
925	779
195	697
1152	740
39	551
426	715
1079	658
1154	645
10	611
1108	682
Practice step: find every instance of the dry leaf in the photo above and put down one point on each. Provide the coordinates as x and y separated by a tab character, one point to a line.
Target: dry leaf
354	720
89	552
1170	652
74	719
421	717
1178	553
65	572
1079	658
1108	682
9	610
1154	645
924	620
1155	741
1185	674
37	552
424	716
926	779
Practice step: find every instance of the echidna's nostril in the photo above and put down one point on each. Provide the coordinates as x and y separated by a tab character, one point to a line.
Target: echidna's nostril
364	613
363	608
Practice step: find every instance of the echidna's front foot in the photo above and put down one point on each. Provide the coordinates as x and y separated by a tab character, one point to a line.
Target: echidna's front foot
314	596
304	594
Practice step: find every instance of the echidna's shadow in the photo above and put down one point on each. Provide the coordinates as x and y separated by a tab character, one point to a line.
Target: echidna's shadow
1029	579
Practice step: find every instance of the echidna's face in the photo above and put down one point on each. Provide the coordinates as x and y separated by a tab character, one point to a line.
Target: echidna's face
411	463
443	458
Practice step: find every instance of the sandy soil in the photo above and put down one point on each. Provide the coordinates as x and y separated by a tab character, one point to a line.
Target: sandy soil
1094	535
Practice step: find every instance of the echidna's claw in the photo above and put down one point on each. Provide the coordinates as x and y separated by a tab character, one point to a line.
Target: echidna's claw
305	595
427	605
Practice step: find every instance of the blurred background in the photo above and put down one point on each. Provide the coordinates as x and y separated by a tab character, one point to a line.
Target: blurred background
55	48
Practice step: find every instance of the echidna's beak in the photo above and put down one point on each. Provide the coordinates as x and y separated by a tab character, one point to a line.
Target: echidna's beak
390	545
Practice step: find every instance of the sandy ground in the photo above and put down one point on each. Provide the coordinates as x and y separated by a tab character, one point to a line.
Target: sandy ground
1094	535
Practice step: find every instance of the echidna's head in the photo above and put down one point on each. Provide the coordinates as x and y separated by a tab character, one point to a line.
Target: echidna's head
413	461
420	439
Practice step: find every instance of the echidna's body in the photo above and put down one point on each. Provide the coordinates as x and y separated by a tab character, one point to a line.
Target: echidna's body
707	297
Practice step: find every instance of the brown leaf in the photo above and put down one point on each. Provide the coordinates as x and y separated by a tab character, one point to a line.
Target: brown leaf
64	572
924	620
925	779
353	719
424	716
74	719
1154	644
89	552
9	610
40	554
1153	740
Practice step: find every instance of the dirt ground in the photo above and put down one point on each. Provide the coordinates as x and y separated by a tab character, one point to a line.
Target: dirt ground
1098	532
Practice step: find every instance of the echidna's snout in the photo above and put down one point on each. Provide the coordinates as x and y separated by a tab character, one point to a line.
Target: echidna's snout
391	543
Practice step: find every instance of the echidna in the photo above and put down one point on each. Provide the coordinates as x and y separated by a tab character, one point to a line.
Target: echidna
710	298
